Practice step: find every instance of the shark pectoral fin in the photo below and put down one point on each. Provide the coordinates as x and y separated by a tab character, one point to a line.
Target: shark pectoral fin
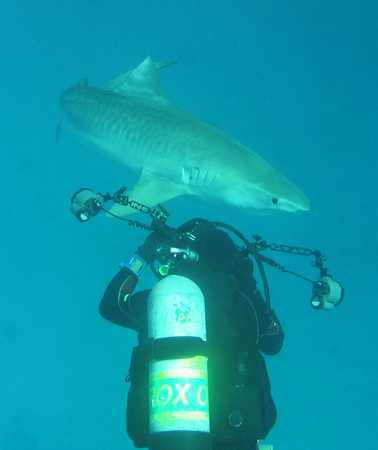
149	191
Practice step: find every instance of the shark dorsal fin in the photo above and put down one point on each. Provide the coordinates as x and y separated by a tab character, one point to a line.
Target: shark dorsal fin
143	81
83	82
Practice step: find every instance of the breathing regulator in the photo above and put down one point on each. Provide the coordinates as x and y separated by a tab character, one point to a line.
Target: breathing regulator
326	292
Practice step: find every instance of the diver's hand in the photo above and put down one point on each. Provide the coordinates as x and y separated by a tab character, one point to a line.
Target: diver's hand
149	250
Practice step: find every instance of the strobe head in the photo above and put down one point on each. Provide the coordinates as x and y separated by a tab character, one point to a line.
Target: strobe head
326	293
85	204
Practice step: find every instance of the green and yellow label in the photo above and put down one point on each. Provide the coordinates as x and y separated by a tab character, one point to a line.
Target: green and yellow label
179	394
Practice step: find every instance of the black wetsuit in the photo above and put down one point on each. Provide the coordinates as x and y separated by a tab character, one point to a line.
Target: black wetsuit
239	327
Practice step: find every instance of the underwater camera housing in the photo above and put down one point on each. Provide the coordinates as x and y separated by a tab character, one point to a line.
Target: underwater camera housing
326	292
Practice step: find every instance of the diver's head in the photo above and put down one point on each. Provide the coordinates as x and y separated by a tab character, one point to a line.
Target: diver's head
214	268
214	247
200	251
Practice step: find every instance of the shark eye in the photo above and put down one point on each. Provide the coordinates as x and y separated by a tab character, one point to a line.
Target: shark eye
274	200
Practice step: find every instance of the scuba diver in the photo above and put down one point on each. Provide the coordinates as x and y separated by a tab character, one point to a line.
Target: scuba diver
240	327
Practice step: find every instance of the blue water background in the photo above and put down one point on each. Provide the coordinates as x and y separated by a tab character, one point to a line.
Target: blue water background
297	82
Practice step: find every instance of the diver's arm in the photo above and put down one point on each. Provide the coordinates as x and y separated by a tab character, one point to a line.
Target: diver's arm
272	340
115	305
271	334
118	305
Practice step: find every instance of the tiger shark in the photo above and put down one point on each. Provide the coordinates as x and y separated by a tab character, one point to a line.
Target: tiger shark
130	120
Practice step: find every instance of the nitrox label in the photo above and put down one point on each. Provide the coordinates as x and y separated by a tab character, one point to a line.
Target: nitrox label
179	395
